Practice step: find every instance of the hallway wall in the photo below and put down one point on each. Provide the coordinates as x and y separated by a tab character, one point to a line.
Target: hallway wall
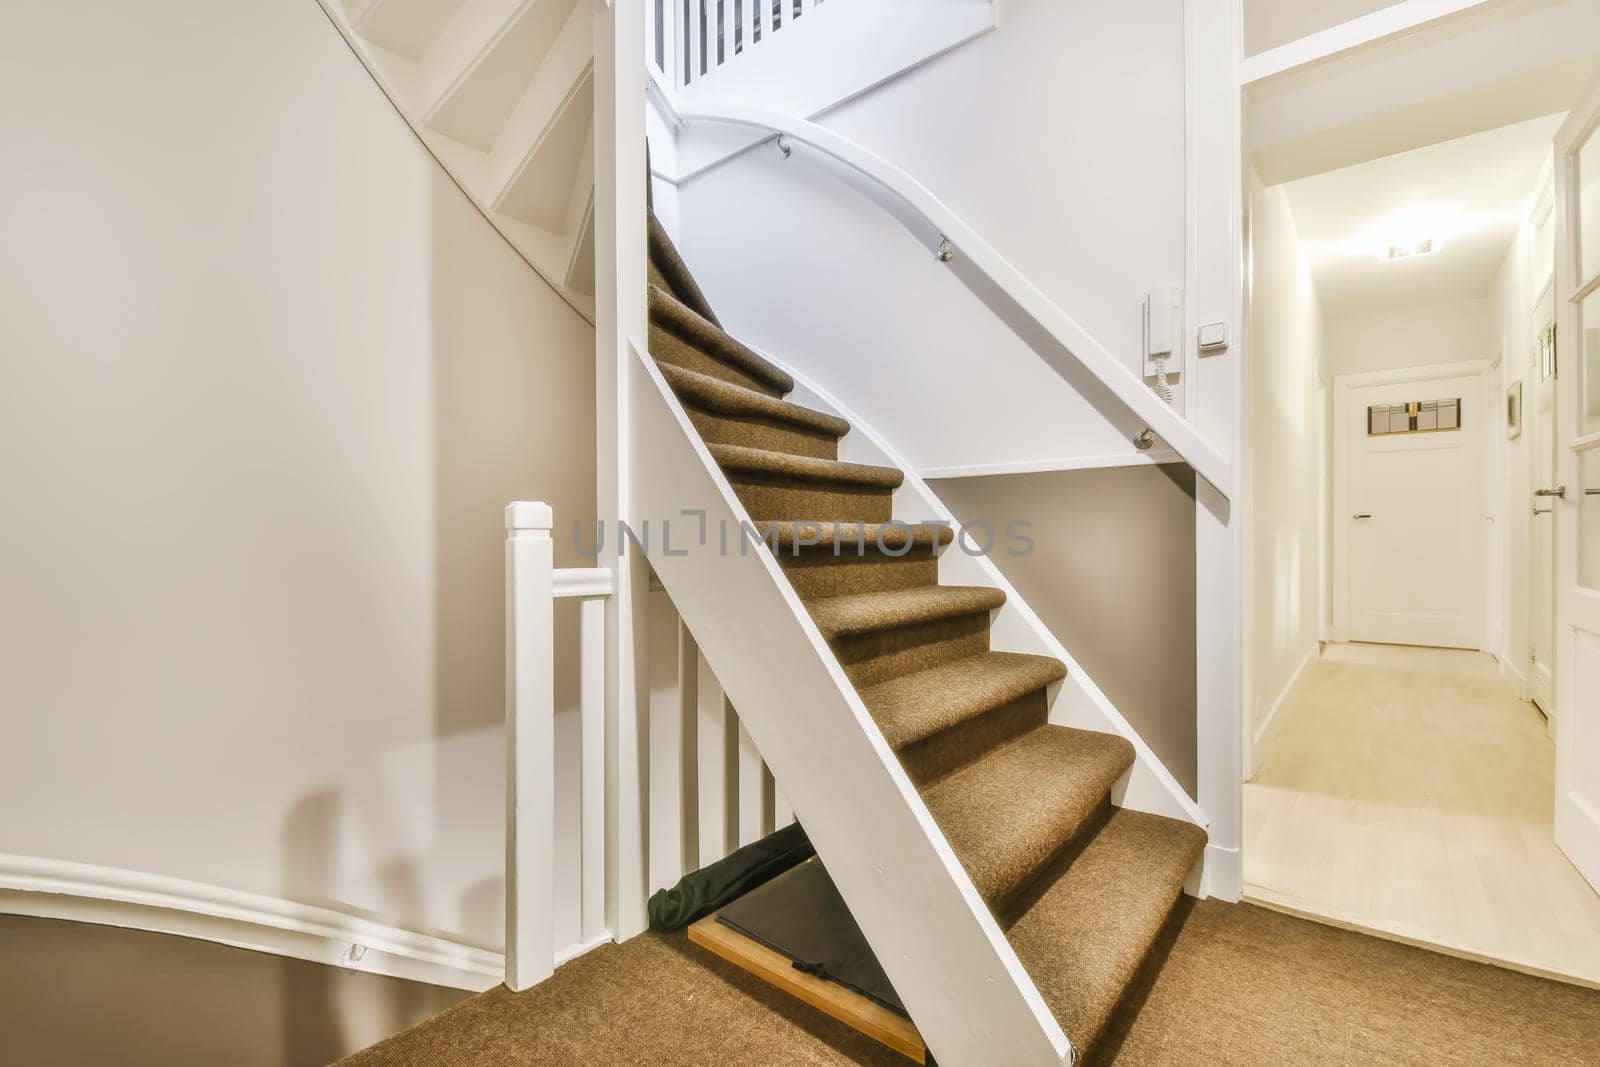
1455	332
269	380
1285	357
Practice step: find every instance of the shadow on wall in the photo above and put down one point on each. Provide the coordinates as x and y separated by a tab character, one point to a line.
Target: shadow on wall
1112	574
413	836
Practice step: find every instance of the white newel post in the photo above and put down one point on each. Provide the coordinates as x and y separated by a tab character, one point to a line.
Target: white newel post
530	744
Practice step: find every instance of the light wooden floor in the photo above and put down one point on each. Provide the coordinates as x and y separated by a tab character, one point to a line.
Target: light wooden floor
1406	791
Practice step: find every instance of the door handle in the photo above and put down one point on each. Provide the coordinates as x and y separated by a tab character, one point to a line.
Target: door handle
1559	492
1361	516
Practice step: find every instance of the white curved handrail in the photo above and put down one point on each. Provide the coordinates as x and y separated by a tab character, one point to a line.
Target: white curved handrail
1050	331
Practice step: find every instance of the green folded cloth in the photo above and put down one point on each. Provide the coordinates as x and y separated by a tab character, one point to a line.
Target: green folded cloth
704	891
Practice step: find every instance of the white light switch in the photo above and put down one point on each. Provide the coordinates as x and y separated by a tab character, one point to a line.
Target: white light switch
1214	337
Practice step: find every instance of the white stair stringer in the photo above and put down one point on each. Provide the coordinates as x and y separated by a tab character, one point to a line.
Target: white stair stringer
500	93
935	937
1076	701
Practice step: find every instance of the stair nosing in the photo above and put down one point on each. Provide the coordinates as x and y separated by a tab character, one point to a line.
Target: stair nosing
744	459
684	322
1102	757
916	606
955	707
720	397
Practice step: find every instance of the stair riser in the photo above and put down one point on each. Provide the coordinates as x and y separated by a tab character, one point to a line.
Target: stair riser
668	347
817	572
719	429
777	499
877	657
950	750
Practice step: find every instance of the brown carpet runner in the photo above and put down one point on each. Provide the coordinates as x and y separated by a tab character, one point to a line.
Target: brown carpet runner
1082	888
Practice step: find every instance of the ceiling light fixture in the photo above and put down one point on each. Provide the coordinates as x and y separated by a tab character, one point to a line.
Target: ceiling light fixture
1410	250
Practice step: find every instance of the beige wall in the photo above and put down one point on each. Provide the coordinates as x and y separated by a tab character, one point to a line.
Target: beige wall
268	382
1285	358
1455	332
1512	334
1112	575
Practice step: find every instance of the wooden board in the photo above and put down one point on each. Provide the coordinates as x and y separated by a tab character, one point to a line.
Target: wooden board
850	1008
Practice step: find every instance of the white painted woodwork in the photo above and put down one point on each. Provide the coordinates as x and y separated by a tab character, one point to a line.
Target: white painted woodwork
1076	701
1412	574
714	729
620	286
804	65
968	992
530	745
533	584
752	784
501	92
138	900
666	744
1058	339
404	27
1539	422
1577	201
482	63
538	151
592	780
1398	19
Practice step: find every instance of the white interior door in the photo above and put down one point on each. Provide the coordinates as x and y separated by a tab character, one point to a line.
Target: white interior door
1577	518
1414	493
1541	429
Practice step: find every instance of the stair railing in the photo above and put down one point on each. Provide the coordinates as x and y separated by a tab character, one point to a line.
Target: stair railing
533	585
696	38
1061	341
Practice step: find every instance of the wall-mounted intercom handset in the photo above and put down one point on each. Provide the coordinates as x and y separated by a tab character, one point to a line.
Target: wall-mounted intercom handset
1163	325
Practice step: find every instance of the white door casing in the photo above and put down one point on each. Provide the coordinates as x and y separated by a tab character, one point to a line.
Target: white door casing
1541	429
1409	513
1577	517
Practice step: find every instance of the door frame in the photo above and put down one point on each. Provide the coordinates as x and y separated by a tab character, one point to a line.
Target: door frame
1575	605
1343	386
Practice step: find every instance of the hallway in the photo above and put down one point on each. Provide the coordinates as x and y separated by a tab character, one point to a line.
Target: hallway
1405	790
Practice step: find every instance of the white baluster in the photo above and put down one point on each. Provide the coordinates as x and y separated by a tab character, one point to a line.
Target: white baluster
530	745
751	788
592	747
713	764
666	745
697	21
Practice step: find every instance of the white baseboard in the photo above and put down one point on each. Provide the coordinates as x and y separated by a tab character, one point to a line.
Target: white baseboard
1515	676
81	892
1221	874
1259	739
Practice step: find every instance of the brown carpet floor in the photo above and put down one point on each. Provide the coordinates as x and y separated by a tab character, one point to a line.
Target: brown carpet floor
1226	984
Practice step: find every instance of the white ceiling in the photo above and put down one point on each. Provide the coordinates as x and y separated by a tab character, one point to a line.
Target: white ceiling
1498	64
1469	193
1269	23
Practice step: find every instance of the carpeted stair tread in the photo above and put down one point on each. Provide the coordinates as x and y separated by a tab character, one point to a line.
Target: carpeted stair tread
865	613
675	272
678	318
725	398
1008	812
790	467
822	535
914	707
1084	930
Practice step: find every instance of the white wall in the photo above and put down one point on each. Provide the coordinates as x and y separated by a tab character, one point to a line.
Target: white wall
1512	330
269	380
1088	201
1456	332
1286	357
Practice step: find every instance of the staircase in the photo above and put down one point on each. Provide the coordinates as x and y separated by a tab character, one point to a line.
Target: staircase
1080	887
502	94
